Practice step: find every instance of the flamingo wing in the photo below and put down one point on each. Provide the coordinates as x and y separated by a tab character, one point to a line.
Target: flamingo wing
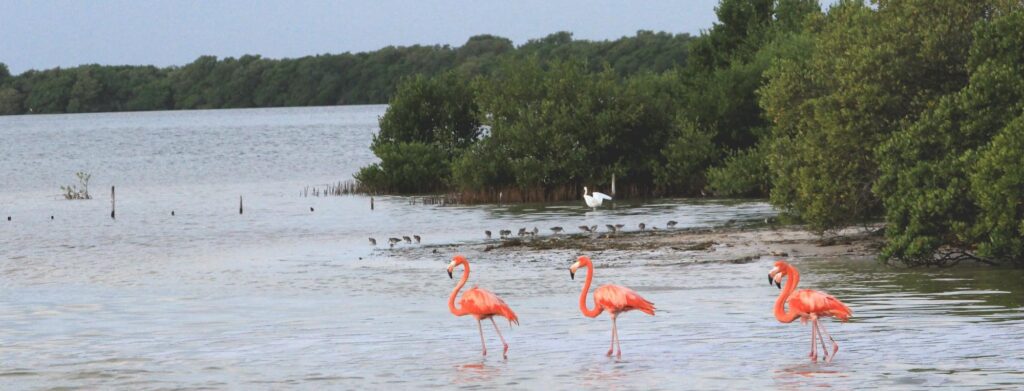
602	196
618	298
820	303
483	304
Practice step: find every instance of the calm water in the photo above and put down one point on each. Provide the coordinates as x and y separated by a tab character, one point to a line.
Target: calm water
282	297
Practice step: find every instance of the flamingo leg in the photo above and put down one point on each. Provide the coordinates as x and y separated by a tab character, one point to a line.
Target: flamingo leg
481	328
611	349
615	332
835	346
821	337
814	347
505	352
619	343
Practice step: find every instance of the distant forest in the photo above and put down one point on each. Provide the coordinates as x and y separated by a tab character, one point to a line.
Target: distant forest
329	79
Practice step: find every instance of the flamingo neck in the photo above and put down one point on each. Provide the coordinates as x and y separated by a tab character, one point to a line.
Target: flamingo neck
780	313
451	299
583	296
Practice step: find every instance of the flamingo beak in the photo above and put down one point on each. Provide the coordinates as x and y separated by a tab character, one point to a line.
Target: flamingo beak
450	274
776	279
572	274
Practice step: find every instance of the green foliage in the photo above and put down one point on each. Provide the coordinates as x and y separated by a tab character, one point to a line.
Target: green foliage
347	78
997	184
945	197
743	173
74	192
428	123
10	101
482	166
544	120
558	123
686	155
727	67
562	113
440	110
406	167
868	73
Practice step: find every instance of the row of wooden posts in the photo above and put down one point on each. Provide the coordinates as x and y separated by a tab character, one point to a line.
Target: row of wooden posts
113	205
241	206
446	199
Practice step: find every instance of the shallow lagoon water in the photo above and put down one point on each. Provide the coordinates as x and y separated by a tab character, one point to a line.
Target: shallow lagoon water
281	297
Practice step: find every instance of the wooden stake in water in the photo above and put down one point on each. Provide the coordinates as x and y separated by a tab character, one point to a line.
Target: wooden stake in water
113	204
240	205
613	185
371	203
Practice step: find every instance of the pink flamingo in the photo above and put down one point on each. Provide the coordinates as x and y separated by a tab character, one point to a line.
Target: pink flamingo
615	299
480	303
807	304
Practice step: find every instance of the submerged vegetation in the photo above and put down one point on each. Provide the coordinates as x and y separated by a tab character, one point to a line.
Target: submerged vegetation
907	111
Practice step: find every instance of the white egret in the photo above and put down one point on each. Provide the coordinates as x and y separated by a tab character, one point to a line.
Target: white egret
596	199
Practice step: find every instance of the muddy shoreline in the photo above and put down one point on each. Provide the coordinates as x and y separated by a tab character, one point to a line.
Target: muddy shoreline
729	244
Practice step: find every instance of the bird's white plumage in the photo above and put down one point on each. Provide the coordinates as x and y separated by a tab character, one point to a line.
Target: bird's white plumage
596	199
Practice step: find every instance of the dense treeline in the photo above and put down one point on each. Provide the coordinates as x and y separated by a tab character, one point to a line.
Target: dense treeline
349	78
571	120
906	111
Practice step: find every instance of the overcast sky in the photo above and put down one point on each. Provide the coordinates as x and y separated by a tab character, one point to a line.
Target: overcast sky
40	34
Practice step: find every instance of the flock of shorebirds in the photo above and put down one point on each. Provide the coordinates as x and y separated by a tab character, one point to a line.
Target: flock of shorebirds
392	241
612	228
592	200
523	232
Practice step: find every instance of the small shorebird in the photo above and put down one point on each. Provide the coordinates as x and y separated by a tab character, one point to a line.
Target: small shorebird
488	233
311	209
373	242
611	228
522	232
642	227
407	239
671	224
556	230
535	230
505	233
417	237
593	228
584	228
619	226
393	241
